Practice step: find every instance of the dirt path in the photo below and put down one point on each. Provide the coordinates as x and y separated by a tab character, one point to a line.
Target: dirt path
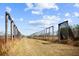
33	47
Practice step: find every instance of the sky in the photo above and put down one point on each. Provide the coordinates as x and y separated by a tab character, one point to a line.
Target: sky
33	17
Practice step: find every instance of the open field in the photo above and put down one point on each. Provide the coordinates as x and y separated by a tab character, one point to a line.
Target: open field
53	38
45	34
34	47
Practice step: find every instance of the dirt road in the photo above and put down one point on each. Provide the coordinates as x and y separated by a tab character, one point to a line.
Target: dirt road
34	47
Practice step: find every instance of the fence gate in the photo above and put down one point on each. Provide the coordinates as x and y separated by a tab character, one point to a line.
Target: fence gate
63	31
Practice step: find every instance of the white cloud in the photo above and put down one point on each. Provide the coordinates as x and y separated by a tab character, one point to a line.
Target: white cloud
76	4
21	19
46	21
69	20
67	14
39	7
30	5
36	12
76	14
47	6
8	9
42	6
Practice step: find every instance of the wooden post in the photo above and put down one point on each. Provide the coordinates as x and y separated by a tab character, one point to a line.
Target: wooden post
6	27
43	34
11	30
59	37
49	33
46	34
14	30
52	32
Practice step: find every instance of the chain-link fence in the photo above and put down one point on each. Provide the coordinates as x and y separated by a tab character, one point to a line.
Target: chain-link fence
14	32
63	31
66	33
46	34
11	31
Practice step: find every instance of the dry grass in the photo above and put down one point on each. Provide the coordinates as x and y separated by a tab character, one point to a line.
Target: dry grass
34	47
1	45
4	47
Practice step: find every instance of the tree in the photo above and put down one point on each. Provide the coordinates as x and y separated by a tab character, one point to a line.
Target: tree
77	30
77	26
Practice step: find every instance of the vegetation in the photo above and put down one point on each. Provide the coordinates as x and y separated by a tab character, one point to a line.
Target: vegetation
77	26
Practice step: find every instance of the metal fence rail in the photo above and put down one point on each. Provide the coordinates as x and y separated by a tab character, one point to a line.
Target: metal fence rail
46	34
67	33
14	32
63	32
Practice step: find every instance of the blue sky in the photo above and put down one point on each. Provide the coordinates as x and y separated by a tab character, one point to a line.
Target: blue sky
33	17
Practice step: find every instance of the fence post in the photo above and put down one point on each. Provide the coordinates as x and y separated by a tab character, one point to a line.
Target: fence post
6	27
11	30
46	34
43	34
49	34
52	32
59	36
14	30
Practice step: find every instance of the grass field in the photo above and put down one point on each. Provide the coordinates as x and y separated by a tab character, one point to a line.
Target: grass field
34	47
